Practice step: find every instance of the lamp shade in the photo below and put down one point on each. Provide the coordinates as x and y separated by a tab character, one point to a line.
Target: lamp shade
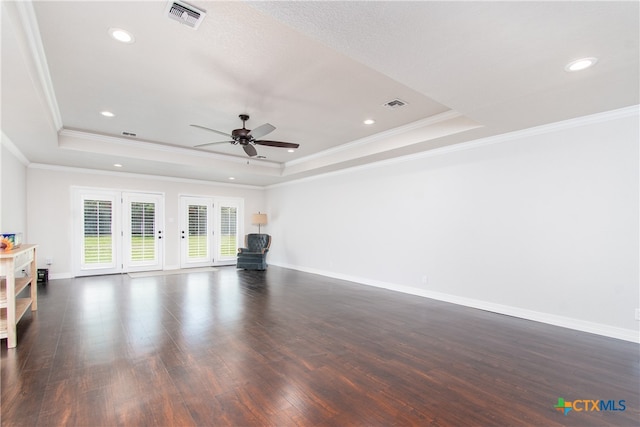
259	219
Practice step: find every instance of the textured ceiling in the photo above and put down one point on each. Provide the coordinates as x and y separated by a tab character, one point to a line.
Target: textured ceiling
314	70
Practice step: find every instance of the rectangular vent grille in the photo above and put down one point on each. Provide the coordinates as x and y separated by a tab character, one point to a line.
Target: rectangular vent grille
185	14
395	103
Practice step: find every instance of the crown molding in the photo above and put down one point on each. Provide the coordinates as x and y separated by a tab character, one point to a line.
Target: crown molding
630	111
33	40
429	121
430	128
69	169
171	149
11	147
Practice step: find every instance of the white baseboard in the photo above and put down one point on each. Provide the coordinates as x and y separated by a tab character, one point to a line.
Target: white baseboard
551	319
55	276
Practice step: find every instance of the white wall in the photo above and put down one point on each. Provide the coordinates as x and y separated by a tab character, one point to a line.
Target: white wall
13	193
541	224
49	208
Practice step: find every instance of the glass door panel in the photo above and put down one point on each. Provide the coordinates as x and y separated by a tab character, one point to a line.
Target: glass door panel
196	232
142	231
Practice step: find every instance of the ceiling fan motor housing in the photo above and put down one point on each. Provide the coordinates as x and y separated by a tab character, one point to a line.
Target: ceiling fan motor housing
241	134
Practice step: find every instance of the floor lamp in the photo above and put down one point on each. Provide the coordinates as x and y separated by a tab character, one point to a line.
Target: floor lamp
259	219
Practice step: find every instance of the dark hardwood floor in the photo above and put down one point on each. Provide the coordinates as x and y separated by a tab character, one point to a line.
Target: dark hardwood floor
285	348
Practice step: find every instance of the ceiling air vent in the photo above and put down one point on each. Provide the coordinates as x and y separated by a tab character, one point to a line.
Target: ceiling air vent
395	103
185	14
125	133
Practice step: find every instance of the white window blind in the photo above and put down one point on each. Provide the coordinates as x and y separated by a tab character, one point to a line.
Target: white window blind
98	237
228	231
197	237
143	244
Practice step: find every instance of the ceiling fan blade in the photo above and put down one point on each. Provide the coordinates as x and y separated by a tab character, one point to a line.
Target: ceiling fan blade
250	150
262	130
277	144
212	130
212	143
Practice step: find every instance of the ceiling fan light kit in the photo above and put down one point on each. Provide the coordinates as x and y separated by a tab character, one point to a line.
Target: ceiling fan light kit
248	138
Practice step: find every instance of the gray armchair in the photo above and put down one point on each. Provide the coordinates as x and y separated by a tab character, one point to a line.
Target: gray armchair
254	255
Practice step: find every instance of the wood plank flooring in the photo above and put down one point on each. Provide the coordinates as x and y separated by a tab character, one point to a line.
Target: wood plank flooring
285	348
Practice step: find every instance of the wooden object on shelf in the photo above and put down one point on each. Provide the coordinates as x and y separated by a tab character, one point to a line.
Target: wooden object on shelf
12	283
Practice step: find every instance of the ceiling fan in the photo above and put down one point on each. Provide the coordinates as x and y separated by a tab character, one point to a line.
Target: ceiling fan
248	138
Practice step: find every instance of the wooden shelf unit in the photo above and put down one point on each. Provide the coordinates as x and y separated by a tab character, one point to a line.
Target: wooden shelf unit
12	308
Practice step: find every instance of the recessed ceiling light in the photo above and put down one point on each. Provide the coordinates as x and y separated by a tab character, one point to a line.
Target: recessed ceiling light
121	35
107	114
291	150
231	178
369	122
580	64
118	165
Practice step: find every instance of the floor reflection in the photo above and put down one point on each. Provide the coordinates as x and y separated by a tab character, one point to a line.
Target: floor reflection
142	316
229	301
197	308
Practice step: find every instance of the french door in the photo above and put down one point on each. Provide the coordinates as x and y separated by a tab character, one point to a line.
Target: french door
196	232
97	232
142	231
210	231
117	232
